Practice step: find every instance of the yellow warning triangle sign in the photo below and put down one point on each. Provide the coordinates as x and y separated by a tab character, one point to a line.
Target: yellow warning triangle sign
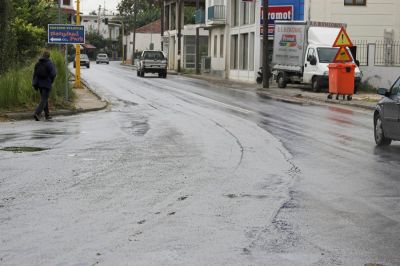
342	55
342	39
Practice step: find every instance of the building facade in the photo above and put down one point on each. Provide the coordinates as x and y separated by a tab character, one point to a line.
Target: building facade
369	20
187	57
95	23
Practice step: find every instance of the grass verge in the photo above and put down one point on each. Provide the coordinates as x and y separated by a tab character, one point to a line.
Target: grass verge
17	94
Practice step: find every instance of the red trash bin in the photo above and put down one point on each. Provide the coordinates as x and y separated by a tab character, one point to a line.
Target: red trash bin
341	80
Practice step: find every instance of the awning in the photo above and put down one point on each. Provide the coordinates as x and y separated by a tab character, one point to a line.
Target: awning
68	11
88	46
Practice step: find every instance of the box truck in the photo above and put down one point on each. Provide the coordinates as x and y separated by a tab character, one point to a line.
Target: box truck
302	52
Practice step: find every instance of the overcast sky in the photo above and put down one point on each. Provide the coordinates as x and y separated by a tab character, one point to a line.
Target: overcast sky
90	5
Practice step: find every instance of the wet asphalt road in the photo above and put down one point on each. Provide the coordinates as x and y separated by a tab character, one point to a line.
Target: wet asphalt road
181	171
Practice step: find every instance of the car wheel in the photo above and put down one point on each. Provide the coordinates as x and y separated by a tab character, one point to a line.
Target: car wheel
282	81
380	138
315	85
88	66
97	62
108	63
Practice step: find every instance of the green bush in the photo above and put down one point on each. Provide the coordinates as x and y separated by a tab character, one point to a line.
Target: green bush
16	90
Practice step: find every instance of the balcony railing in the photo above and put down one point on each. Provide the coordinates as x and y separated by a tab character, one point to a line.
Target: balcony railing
217	14
200	16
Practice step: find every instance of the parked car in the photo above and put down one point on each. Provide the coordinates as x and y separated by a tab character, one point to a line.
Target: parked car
387	115
152	62
84	61
102	58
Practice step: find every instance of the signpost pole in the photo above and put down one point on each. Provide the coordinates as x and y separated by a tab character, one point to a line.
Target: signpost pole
78	50
66	73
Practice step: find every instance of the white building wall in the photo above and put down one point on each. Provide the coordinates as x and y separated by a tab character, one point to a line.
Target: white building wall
363	22
240	63
245	59
218	59
143	41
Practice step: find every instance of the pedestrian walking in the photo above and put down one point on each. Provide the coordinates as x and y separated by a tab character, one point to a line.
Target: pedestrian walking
43	77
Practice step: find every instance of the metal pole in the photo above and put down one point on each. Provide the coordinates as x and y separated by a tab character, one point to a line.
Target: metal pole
198	41
135	10
122	41
59	20
162	24
78	50
179	34
265	46
66	73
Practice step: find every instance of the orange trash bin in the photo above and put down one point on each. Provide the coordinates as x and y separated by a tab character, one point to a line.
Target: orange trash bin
341	80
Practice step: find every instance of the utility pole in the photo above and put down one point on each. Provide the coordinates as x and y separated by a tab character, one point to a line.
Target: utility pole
122	41
78	50
135	9
197	40
162	23
179	33
98	20
265	46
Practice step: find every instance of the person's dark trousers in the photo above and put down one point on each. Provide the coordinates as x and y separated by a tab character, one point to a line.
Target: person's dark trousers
44	102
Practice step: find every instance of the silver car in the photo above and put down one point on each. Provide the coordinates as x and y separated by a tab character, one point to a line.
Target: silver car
102	58
84	61
387	115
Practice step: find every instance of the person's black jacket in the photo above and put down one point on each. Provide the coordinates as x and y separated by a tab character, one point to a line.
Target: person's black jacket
47	82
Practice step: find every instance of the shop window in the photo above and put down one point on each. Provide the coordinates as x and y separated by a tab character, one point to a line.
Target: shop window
355	2
244	51
234	51
66	2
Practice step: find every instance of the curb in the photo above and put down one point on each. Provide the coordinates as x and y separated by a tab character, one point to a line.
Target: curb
304	100
311	101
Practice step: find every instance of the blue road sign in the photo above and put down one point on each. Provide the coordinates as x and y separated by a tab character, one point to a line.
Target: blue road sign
65	34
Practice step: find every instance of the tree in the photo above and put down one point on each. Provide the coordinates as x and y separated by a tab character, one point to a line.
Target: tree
23	27
140	12
6	40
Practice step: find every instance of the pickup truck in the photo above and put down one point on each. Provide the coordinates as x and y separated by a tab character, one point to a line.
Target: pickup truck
152	62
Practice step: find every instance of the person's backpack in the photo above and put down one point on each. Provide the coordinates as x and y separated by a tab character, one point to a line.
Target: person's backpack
41	70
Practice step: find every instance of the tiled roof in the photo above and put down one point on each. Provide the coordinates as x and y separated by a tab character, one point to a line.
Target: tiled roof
153	27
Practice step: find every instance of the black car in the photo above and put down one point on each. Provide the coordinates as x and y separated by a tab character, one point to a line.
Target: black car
84	61
387	115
